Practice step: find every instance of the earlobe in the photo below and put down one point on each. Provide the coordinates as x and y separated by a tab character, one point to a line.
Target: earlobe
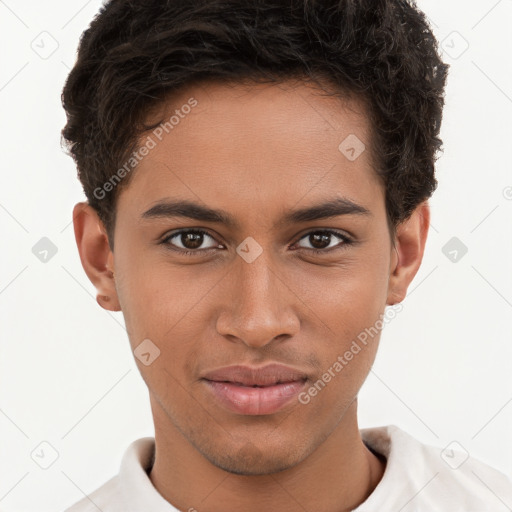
410	240
95	254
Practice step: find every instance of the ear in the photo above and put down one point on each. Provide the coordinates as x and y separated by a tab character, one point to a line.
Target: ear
410	240
95	254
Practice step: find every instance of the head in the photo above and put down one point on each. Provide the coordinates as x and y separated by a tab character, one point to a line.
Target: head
289	147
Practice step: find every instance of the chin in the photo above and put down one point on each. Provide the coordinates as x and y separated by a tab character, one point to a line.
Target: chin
251	461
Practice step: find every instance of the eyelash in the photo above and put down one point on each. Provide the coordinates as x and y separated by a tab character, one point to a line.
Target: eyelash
198	252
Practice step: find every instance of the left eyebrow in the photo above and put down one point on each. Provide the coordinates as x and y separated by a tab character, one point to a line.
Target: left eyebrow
184	208
333	208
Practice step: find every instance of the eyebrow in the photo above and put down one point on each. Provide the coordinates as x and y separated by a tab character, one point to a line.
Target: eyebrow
188	209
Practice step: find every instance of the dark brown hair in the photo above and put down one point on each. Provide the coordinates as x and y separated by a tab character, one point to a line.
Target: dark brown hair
136	53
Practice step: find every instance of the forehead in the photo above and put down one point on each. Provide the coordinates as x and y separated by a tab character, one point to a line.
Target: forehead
257	144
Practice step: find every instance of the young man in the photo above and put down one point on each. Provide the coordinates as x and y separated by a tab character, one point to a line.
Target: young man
257	177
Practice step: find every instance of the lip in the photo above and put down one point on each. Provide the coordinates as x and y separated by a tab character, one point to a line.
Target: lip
234	387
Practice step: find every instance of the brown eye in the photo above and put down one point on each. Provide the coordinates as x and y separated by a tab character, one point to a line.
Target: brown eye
190	240
324	240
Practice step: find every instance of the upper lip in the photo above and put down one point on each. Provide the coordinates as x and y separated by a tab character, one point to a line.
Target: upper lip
250	376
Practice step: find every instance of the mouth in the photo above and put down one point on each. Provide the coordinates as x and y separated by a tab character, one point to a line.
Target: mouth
241	384
255	391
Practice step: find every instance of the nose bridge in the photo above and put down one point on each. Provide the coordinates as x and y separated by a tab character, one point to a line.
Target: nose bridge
260	309
257	281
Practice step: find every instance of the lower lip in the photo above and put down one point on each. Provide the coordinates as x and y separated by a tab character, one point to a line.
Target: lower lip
255	401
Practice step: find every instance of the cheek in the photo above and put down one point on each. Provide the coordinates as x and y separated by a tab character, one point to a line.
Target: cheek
329	396
349	306
347	297
156	299
163	306
352	325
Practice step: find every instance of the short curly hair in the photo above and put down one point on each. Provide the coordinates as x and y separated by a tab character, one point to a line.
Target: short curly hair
135	53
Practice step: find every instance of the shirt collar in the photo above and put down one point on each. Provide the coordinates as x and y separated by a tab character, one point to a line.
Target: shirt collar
136	487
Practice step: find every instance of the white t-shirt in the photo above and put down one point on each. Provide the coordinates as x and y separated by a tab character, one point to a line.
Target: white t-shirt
417	478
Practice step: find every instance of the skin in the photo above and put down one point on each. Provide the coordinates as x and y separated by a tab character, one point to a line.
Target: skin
255	152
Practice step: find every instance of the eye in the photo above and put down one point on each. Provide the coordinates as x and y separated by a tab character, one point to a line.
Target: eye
189	241
321	241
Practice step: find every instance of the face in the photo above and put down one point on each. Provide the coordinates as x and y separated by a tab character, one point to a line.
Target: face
259	271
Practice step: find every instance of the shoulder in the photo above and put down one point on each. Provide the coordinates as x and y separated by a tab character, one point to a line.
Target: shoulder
129	487
103	498
423	477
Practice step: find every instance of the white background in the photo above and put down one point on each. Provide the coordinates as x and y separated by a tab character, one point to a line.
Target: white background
67	375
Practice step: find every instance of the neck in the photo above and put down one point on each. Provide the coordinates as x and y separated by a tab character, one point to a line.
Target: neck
338	476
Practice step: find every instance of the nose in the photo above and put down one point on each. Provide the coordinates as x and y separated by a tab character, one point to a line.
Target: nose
259	306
